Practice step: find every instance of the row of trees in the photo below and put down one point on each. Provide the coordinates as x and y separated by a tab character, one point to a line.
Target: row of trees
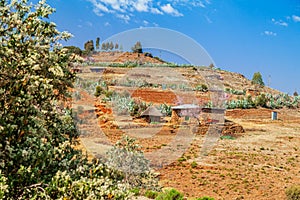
107	46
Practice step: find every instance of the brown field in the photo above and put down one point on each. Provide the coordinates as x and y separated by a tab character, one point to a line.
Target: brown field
257	164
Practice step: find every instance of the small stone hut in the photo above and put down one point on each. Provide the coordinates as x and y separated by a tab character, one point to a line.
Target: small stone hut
151	114
185	110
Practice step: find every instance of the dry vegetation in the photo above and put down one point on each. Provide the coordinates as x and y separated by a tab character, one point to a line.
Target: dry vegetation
257	164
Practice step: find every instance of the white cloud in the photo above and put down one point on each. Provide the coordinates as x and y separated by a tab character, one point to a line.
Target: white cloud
99	8
156	11
280	22
190	3
170	10
126	9
155	24
142	5
126	18
269	33
145	22
296	18
106	24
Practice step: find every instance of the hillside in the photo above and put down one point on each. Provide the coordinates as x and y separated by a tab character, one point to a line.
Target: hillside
122	57
232	154
228	80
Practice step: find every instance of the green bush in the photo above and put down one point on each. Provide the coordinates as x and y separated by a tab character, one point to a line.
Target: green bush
99	91
3	186
135	191
205	198
151	194
257	79
127	157
293	192
171	194
202	88
194	164
165	109
37	159
261	101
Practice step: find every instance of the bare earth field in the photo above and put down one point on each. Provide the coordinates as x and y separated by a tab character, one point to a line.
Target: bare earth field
257	164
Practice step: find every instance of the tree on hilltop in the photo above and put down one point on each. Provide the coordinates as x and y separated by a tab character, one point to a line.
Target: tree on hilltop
89	46
97	43
257	79
137	48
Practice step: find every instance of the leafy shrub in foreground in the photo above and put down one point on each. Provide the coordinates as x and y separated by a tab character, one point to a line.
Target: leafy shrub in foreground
151	194
37	158
170	195
293	192
205	198
127	157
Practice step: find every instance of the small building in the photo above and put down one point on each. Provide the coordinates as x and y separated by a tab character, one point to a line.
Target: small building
151	114
189	110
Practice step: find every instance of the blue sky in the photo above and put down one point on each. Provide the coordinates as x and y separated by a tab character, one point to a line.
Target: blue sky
242	36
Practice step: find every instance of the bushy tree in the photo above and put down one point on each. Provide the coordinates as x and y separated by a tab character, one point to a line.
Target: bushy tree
74	49
137	48
37	160
126	156
97	43
116	46
257	79
89	46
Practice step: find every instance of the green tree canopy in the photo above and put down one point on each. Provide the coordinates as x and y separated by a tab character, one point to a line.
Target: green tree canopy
37	132
89	46
257	79
74	49
137	48
97	43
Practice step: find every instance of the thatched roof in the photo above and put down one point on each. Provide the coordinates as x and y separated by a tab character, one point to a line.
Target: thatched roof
152	111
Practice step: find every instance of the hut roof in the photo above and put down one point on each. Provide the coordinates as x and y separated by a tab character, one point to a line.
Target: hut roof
152	111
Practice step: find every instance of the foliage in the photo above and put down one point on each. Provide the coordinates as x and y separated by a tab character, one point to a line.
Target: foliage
37	158
99	91
147	54
205	198
90	85
202	88
194	164
266	101
135	191
165	109
89	46
151	194
227	137
3	186
171	194
137	48
295	94
293	192
261	101
257	79
236	92
97	43
126	156
74	49
128	105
